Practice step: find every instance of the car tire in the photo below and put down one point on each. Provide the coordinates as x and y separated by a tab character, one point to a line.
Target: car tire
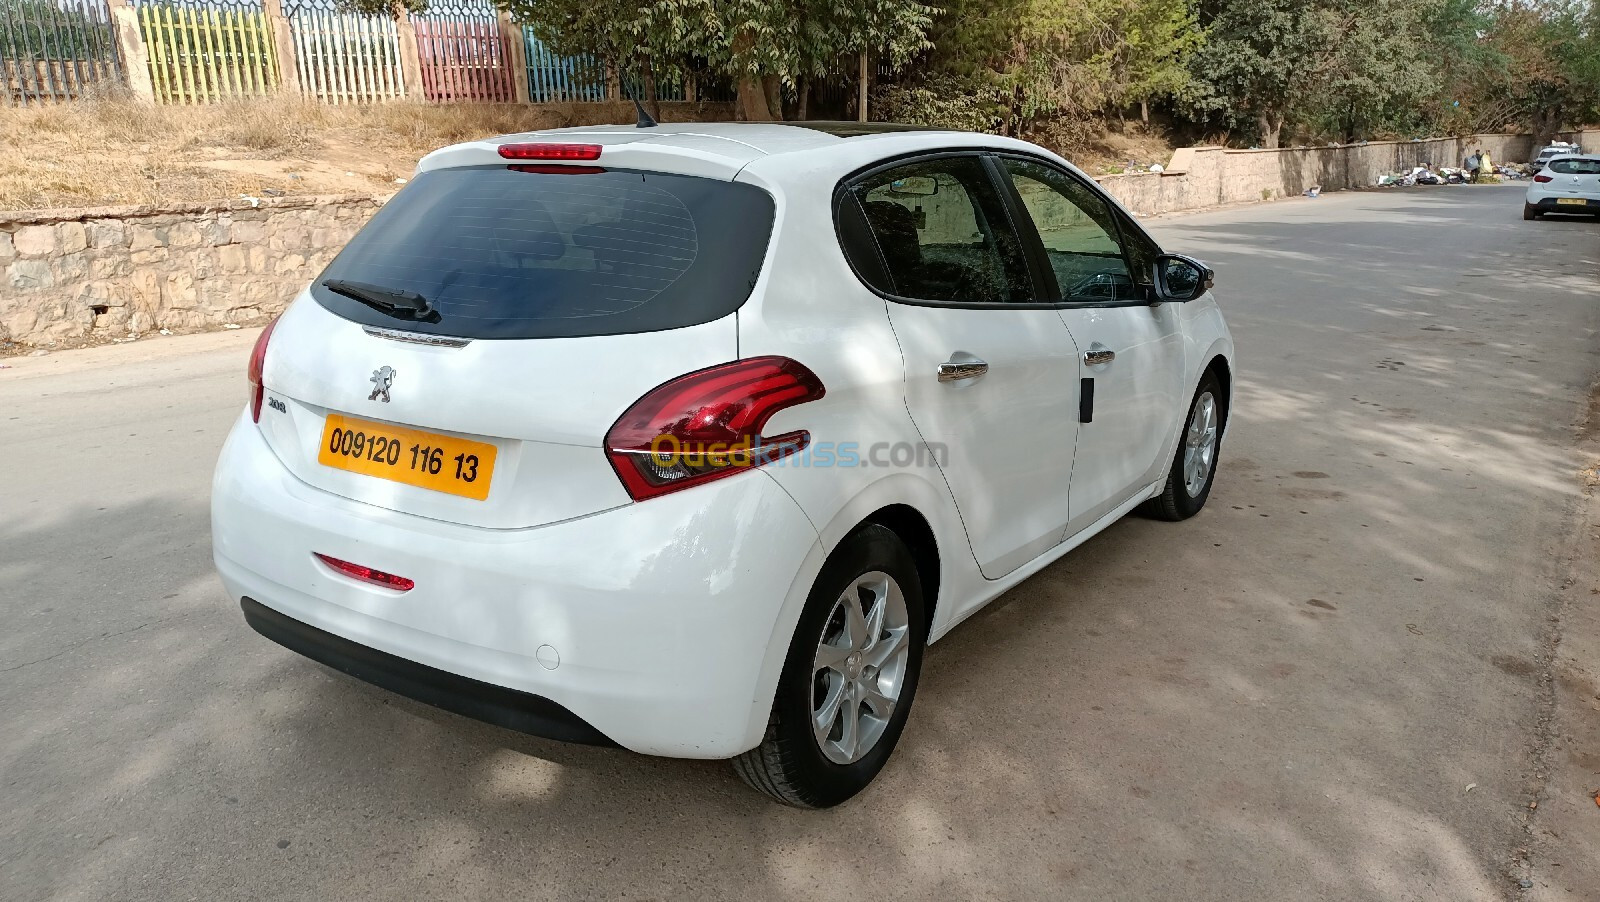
796	763
1186	490
1529	211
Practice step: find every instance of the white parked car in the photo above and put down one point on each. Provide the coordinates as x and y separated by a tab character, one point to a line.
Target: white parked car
688	439
1551	151
1568	184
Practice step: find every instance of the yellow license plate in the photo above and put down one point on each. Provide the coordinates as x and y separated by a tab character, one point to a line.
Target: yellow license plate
1572	200
423	459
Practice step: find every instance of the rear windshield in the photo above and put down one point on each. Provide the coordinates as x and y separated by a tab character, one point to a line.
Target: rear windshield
1575	167
513	252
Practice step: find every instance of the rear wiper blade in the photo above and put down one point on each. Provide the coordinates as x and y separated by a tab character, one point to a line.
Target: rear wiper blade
396	302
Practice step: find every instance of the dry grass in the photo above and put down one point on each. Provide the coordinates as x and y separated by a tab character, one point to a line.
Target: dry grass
111	150
1120	150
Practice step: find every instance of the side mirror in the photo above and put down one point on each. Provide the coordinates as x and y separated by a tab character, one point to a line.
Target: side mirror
1180	278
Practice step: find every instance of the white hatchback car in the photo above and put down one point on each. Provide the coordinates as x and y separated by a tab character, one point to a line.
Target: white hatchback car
1551	151
1567	184
688	439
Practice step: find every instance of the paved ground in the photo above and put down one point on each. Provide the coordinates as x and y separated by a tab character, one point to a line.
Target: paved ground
1286	698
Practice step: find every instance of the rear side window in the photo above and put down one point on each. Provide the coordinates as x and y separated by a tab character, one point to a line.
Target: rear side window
1576	167
526	252
934	230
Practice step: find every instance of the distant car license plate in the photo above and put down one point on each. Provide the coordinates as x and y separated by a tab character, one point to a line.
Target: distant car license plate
424	459
1572	200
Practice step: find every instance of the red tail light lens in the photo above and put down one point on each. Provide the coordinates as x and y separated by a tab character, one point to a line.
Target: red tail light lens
550	151
1544	178
707	425
258	362
367	574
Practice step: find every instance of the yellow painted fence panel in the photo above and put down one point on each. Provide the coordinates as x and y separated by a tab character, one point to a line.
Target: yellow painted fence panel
206	55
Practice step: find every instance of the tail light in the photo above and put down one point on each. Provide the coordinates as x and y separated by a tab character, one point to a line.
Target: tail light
707	425
1544	178
258	362
367	574
550	152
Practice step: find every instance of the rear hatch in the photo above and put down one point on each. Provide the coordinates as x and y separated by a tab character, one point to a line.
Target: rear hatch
1578	176
491	323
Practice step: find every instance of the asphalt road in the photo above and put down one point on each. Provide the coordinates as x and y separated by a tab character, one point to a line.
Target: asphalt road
1284	698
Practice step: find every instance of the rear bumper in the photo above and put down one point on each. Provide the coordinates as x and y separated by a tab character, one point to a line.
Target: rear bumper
520	711
1551	203
662	625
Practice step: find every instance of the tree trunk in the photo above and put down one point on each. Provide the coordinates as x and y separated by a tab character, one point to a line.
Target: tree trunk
802	89
861	94
751	103
772	87
1144	111
1271	126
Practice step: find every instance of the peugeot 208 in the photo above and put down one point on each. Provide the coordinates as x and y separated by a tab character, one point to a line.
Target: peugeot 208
689	439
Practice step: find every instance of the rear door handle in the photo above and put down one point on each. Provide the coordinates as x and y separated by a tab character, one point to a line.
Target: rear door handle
955	371
1098	355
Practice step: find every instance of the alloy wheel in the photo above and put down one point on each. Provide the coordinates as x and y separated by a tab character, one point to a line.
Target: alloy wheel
860	667
1200	444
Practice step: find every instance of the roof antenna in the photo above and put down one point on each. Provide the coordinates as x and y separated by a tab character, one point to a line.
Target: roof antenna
644	118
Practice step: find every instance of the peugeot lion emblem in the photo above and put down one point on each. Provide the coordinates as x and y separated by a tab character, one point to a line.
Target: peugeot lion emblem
382	378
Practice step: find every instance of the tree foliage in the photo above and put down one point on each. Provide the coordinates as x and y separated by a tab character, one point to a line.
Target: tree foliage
1265	71
1355	69
762	44
1064	60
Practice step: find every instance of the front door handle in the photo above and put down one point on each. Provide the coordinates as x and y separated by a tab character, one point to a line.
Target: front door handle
1097	355
955	371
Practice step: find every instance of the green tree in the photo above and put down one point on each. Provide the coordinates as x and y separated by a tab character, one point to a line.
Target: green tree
641	38
1262	58
1150	59
762	44
1334	68
767	43
1062	65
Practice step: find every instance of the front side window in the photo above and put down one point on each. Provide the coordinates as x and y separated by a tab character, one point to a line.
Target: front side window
1079	233
941	233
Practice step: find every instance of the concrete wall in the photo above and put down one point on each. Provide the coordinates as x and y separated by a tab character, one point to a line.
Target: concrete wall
1201	177
73	275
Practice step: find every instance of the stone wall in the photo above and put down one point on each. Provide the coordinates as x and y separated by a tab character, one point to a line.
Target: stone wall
1200	177
129	270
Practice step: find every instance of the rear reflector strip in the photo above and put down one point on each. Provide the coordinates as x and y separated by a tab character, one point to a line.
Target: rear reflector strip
367	574
555	169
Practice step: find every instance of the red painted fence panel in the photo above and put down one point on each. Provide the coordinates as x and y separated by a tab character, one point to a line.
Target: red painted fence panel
464	60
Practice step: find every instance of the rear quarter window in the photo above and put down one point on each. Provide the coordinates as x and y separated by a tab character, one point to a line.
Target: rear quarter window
530	252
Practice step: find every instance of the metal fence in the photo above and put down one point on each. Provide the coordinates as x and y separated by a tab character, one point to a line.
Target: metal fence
201	51
204	53
557	79
54	50
344	58
463	53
